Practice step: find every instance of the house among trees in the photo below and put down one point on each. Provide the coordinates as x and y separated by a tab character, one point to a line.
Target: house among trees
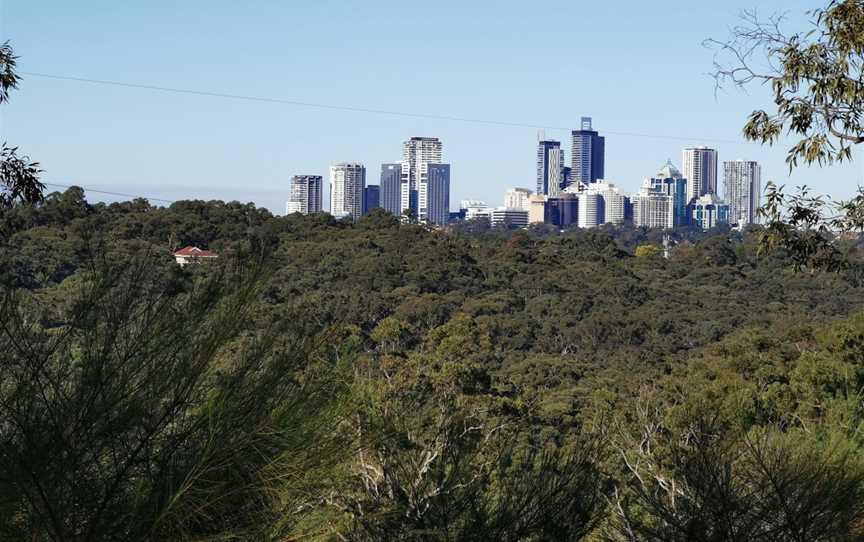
188	255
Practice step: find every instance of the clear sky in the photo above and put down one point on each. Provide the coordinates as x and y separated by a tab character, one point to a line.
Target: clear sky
633	66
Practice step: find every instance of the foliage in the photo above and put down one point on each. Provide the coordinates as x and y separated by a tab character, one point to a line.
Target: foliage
647	251
703	481
135	408
8	78
387	381
19	176
816	80
461	480
815	77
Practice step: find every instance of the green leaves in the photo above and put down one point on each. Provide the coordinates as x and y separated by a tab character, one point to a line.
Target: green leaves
8	78
19	176
815	78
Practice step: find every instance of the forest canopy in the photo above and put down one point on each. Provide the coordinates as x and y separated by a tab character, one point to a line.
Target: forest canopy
384	381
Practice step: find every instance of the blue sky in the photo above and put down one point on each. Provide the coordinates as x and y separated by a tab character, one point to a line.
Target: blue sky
633	66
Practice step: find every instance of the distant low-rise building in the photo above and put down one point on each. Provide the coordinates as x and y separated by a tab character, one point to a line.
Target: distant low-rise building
537	209
709	211
517	198
189	255
562	211
509	218
477	210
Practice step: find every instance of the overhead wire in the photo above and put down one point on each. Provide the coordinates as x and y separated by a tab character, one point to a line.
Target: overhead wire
327	106
355	109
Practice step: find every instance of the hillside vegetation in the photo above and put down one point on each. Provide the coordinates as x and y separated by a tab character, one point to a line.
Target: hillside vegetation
381	381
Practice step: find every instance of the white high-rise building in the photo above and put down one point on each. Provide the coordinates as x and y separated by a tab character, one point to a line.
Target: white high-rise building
517	198
653	208
614	202
590	214
417	154
742	181
700	170
601	203
347	182
305	195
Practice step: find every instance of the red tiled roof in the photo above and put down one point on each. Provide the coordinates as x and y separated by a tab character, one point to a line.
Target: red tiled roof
195	252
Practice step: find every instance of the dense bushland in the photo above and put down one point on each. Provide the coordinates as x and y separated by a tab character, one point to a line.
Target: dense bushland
381	381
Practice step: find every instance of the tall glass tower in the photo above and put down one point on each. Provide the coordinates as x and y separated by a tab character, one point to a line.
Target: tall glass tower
391	188
588	154
437	209
550	168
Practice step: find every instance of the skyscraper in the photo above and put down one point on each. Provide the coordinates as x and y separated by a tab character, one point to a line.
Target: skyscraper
587	154
669	181
305	195
391	188
437	195
700	170
742	181
517	198
371	198
347	182
550	168
417	154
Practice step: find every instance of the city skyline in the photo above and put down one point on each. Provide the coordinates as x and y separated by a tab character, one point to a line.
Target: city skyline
175	146
662	201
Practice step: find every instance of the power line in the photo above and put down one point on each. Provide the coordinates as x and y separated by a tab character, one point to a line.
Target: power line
353	109
118	194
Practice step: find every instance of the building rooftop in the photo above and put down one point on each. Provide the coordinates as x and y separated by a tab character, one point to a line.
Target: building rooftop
195	252
669	171
710	199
